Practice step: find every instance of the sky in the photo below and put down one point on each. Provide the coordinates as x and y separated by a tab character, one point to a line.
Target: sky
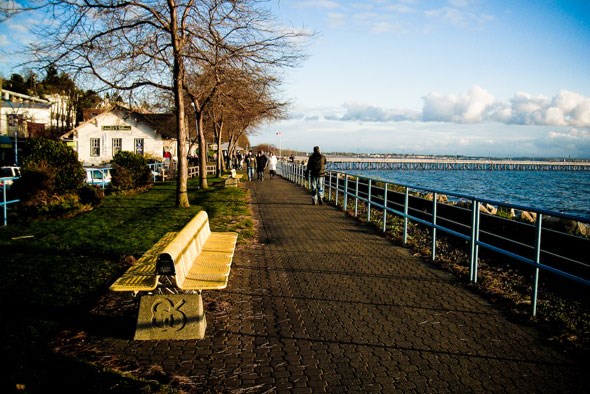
492	78
456	77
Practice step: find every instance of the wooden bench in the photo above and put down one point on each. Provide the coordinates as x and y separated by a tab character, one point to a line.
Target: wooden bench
192	260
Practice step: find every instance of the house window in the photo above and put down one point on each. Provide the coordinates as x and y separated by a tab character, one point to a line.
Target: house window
117	145
95	147
139	146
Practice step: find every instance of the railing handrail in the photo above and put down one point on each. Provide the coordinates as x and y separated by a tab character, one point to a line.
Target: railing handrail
480	199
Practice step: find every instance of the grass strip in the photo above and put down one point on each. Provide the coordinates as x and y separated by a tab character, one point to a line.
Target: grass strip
54	269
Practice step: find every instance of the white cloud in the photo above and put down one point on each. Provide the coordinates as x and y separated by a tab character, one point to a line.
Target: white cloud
575	108
469	107
565	109
572	134
480	139
370	113
474	106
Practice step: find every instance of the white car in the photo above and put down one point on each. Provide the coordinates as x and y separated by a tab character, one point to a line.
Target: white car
98	176
8	172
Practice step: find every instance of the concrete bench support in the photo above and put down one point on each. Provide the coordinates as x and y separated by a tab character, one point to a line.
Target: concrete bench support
171	316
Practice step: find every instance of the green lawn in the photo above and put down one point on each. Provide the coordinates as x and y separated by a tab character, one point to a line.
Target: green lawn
53	270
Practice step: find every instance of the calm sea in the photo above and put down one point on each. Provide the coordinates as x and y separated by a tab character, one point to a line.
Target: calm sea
559	191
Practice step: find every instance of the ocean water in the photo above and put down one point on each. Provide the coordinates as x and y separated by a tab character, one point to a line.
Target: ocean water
559	191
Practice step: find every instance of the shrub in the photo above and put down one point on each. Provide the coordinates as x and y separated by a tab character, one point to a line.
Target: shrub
91	195
50	178
50	206
55	159
129	171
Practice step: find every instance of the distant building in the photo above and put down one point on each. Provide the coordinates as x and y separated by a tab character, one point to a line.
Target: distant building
99	138
24	115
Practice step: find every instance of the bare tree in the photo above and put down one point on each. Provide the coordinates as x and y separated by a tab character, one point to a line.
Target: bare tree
236	36
147	45
240	104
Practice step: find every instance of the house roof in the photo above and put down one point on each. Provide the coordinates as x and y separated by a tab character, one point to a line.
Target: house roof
164	124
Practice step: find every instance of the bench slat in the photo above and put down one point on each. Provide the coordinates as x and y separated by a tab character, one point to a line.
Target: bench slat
213	258
199	284
135	283
141	276
209	273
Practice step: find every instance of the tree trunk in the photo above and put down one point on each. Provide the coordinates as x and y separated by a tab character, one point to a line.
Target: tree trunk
202	153
182	135
221	162
220	158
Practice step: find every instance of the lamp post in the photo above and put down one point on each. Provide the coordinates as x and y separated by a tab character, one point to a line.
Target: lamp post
280	134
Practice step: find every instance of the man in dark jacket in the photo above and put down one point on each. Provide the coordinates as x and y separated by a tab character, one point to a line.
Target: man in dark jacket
316	168
261	161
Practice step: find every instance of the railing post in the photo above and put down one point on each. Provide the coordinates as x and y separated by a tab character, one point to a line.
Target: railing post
301	177
385	208
330	186
434	198
369	202
356	198
538	228
345	202
474	241
336	193
406	208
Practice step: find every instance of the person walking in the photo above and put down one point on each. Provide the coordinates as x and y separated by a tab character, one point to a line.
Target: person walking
250	165
261	161
272	165
316	168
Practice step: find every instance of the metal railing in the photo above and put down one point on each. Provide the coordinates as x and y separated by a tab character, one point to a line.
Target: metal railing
541	244
4	203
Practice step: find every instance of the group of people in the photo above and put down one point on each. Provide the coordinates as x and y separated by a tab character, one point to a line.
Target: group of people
258	163
315	170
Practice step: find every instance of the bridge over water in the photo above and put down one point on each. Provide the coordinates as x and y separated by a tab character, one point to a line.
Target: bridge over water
343	164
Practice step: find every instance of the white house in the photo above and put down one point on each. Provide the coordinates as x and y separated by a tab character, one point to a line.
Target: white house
99	138
18	112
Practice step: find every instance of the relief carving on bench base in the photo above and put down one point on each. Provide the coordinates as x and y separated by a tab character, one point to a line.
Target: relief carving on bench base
171	316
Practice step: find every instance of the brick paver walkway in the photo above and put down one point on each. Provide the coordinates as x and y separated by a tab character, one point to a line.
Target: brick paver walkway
322	304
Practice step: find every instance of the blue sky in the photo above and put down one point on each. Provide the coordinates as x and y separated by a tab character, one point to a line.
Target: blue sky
500	78
473	77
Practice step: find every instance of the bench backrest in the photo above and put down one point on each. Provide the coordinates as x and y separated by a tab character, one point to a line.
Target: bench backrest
184	249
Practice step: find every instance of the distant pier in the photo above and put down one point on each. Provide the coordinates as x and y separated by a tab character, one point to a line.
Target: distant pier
342	164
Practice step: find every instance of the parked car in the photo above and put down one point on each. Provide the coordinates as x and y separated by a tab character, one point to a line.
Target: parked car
8	172
98	176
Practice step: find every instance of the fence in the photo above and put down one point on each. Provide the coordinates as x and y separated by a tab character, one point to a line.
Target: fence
546	244
161	171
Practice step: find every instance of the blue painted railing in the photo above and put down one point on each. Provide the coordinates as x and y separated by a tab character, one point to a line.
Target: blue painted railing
340	187
4	203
